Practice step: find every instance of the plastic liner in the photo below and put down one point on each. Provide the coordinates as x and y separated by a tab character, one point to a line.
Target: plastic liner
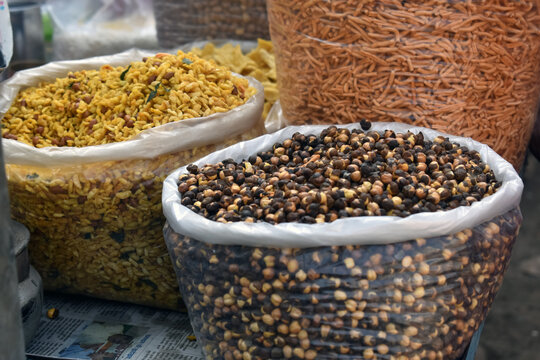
369	287
100	27
468	68
384	229
95	212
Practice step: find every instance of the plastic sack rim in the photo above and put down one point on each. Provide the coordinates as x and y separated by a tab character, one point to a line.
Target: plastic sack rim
143	145
349	231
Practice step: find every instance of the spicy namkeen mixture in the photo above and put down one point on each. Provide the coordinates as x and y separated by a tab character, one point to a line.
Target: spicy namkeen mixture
258	63
340	173
468	68
112	104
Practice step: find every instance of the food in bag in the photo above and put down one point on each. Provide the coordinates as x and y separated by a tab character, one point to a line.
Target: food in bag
87	151
469	68
342	243
258	63
93	107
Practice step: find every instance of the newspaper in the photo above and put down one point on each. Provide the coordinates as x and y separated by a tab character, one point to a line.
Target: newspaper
94	329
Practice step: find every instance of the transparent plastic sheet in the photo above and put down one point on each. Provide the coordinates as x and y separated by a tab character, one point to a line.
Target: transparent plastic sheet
460	67
368	287
179	22
418	299
95	212
97	228
90	28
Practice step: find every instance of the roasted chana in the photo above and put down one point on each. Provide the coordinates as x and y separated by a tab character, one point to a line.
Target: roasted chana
355	302
419	297
340	173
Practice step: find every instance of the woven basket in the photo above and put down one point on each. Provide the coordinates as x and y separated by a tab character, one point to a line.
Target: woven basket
183	21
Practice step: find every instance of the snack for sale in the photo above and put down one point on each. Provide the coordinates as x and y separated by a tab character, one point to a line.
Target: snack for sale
469	68
87	151
112	104
259	63
342	243
339	174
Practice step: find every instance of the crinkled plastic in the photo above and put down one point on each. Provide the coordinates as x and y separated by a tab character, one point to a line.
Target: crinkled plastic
358	288
183	21
143	146
88	28
384	229
469	68
95	212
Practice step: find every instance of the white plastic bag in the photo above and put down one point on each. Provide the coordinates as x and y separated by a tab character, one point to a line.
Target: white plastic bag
371	287
87	28
148	144
95	212
357	231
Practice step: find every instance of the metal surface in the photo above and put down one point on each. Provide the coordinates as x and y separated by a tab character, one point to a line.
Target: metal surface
30	287
11	330
31	300
28	36
21	237
27	26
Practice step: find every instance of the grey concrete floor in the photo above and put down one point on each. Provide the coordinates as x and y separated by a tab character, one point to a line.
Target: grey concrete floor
512	330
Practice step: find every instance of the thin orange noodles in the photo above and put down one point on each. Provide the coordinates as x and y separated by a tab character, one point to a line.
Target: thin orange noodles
468	68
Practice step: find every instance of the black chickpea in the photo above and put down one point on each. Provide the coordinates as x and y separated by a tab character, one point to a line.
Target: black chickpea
418	299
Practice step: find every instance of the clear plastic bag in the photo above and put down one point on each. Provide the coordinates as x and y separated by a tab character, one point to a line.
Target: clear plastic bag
460	67
91	28
179	22
367	287
95	212
421	299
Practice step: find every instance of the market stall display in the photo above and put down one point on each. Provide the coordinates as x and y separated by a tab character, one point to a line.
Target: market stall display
183	21
88	149
280	253
465	68
258	62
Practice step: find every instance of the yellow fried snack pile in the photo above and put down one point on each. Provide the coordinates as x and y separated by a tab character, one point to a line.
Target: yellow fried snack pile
112	104
258	63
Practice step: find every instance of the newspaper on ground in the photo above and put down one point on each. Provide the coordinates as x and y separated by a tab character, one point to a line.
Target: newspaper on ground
92	329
